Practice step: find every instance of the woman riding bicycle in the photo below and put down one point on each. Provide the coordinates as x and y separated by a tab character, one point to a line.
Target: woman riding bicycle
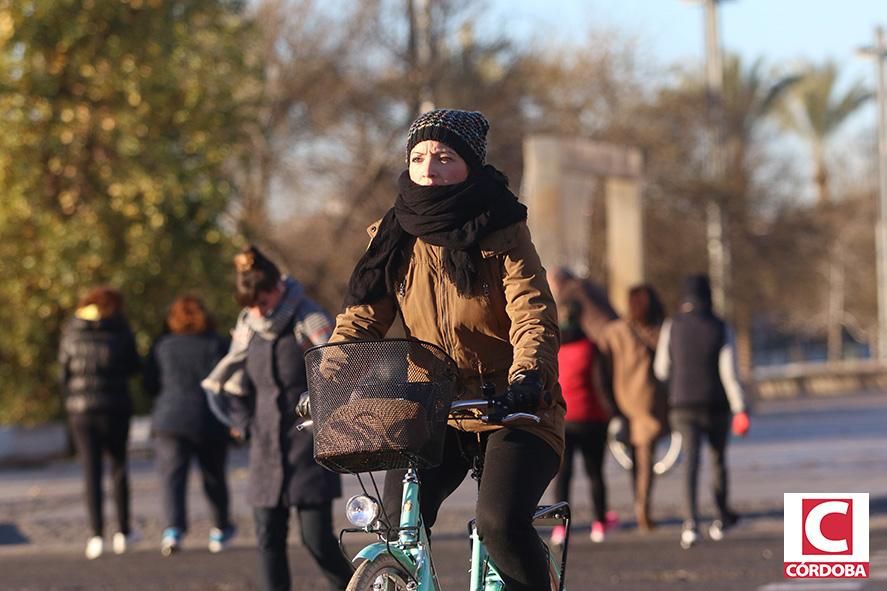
454	257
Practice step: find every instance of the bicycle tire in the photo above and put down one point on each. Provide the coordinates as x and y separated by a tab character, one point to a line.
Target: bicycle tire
382	573
621	452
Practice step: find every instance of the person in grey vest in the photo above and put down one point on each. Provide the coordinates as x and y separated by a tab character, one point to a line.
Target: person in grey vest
255	389
696	356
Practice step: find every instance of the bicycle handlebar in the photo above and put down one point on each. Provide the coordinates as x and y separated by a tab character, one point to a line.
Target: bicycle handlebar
483	406
456	406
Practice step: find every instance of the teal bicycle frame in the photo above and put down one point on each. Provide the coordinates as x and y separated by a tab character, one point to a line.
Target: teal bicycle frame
412	550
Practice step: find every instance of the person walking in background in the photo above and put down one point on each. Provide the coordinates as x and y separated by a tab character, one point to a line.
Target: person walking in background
256	388
586	420
182	423
695	354
628	348
97	356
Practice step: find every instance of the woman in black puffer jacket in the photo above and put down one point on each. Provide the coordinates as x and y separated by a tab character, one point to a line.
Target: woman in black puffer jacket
182	423
97	355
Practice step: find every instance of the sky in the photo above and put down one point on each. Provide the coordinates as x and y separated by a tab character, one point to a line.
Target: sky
777	29
780	31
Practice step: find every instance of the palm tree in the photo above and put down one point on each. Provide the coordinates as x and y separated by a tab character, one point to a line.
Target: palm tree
751	96
816	112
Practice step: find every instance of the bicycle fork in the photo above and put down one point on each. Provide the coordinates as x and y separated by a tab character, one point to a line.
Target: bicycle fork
411	549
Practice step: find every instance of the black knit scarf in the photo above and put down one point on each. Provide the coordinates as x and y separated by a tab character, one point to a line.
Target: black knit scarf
455	217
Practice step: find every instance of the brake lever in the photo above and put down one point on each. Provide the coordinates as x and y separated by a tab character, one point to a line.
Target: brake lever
515	417
520	416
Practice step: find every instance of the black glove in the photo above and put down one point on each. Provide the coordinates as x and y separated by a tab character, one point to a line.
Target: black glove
303	406
524	394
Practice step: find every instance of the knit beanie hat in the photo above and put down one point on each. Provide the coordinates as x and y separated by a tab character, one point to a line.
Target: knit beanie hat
463	131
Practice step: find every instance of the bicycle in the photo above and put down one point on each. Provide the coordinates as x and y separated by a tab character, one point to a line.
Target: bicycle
620	448
384	405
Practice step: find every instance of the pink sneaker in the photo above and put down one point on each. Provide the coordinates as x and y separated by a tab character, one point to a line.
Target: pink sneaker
557	535
597	532
612	519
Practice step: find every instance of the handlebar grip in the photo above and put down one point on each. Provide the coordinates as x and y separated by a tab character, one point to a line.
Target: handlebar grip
303	406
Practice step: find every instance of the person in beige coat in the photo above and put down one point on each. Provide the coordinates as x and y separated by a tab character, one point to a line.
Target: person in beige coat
454	259
628	348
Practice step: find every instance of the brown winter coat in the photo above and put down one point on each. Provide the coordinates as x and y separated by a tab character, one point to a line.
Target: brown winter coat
510	326
638	394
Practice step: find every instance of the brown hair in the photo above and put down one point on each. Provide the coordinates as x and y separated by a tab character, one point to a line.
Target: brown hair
188	315
108	300
644	306
255	274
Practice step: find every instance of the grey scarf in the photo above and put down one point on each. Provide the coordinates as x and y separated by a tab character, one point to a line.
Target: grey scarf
228	375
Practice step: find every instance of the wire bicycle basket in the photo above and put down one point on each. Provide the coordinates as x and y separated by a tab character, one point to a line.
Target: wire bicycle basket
379	404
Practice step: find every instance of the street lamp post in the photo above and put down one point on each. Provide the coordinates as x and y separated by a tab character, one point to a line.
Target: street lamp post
422	10
718	251
879	51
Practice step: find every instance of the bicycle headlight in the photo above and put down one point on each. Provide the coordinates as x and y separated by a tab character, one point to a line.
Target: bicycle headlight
362	510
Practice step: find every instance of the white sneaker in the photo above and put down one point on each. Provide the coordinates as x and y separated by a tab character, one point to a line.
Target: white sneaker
122	542
689	537
597	532
94	547
220	538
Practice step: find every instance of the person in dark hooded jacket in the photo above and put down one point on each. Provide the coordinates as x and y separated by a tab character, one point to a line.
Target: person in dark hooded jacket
97	356
695	354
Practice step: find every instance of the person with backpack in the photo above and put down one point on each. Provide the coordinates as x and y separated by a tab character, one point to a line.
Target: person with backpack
628	347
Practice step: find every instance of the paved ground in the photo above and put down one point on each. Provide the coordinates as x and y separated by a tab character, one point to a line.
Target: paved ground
827	445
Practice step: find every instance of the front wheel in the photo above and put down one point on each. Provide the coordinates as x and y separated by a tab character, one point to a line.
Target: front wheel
382	573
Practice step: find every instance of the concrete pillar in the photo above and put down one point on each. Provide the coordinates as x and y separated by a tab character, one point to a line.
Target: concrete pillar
560	176
541	191
625	245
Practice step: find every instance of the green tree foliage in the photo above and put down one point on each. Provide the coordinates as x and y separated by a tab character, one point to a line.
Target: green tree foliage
818	111
118	119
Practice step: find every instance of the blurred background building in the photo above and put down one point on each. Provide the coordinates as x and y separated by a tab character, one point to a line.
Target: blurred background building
145	140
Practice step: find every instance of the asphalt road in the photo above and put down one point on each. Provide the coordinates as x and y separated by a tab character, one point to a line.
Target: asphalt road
749	560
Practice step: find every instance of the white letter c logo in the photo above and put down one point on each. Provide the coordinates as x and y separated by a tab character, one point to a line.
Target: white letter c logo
813	524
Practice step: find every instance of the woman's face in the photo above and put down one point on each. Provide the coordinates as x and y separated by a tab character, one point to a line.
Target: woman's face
433	163
266	301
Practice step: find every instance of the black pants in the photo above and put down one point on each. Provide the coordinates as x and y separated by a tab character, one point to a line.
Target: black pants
316	525
590	438
173	456
517	467
693	425
94	434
